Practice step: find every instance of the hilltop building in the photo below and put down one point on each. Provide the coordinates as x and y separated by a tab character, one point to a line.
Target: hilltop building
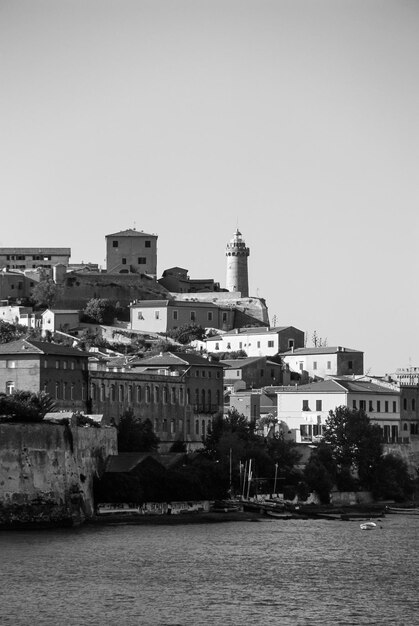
31	258
131	251
162	316
176	280
237	275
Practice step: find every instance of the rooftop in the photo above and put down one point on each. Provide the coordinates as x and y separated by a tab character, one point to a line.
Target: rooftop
175	359
37	251
338	386
131	232
30	346
253	330
322	350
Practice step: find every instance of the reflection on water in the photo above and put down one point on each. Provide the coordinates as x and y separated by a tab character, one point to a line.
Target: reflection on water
272	572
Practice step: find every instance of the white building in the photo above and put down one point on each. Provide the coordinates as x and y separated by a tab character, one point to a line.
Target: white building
305	408
63	320
325	362
257	341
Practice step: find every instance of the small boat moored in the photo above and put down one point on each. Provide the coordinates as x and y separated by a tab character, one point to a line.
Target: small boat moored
368	525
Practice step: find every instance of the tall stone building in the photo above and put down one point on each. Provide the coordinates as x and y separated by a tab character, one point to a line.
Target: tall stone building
237	277
131	251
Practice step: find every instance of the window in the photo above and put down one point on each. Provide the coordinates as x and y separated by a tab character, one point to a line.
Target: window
11	364
370	406
301	367
181	396
121	393
229	346
394	406
354	404
10	387
224	317
175	315
64	365
319	405
203	428
378	406
157	315
314	365
350	365
405	404
258	344
270	344
172	426
173	396
240	345
204	373
142	260
140	315
165	395
262	373
413	404
130	394
193	316
156	394
290	344
138	394
386	406
329	365
147	243
114	243
196	427
72	390
217	346
147	394
165	425
102	393
209	316
92	391
305	405
57	391
363	405
57	365
124	261
72	365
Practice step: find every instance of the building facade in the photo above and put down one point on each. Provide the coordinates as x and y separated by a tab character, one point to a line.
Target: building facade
251	373
176	280
161	316
35	366
321	363
30	258
257	341
180	393
131	251
305	408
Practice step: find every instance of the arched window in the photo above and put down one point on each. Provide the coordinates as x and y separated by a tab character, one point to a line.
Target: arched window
188	396
121	393
102	393
156	394
173	400
188	427
196	396
209	398
138	394
93	391
165	425
129	394
165	394
172	426
57	391
113	393
203	428
413	404
405	426
72	391
181	395
147	394
196	427
203	399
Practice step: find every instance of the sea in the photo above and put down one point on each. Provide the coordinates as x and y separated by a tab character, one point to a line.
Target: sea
281	572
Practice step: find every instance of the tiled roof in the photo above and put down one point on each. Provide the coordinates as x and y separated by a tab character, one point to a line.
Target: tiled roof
239	363
323	350
339	386
175	358
30	346
254	330
364	386
37	251
131	232
125	461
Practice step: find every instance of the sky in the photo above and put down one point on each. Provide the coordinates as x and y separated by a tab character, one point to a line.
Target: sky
295	120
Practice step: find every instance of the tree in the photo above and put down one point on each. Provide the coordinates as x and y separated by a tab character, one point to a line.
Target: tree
10	332
46	293
135	434
355	443
187	333
392	480
100	310
26	406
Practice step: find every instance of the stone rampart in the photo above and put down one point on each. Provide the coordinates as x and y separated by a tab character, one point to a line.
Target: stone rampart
47	472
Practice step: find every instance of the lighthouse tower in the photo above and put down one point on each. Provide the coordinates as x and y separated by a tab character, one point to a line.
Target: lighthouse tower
237	253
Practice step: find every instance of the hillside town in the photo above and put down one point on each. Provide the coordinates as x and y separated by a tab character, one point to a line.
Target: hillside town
107	345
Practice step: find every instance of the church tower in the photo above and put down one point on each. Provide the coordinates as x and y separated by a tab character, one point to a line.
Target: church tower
237	253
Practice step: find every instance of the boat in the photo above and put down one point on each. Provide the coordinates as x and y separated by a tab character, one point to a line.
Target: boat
368	525
281	515
403	511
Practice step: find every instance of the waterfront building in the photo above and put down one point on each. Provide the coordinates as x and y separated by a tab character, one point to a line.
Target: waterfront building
305	408
131	251
180	393
324	362
30	365
257	341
